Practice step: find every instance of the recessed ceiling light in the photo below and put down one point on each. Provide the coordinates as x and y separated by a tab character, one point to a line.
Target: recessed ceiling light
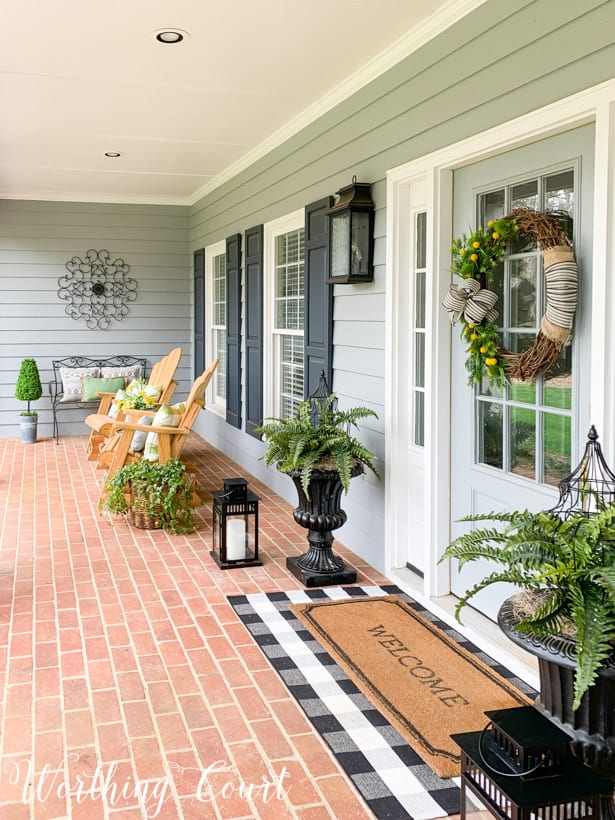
169	36
112	154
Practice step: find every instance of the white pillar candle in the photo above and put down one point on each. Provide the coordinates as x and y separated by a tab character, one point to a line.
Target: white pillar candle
235	539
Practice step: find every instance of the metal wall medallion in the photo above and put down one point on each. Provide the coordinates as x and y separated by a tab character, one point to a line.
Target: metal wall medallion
97	290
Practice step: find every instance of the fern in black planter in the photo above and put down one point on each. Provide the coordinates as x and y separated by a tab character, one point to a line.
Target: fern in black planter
158	492
568	566
316	450
301	443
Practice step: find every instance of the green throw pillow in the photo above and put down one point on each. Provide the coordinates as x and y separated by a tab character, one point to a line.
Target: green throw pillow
90	387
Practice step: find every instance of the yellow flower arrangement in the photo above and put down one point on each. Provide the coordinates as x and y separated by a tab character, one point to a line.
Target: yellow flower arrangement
476	257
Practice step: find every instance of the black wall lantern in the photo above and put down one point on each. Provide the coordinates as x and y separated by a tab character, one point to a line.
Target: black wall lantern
235	526
352	235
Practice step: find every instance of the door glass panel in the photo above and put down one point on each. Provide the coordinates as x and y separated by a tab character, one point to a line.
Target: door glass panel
419	341
490	449
525	195
559	196
558	382
525	429
556	436
492	206
522	436
523	292
517	390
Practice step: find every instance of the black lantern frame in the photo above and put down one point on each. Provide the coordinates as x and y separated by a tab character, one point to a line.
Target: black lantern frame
235	526
520	768
351	222
318	400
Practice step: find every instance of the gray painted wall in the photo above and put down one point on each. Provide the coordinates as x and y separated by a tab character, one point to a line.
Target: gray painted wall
36	240
501	61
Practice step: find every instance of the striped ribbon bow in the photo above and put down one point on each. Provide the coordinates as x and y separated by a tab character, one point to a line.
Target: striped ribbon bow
470	301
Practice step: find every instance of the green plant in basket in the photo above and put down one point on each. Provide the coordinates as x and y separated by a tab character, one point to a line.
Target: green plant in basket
161	491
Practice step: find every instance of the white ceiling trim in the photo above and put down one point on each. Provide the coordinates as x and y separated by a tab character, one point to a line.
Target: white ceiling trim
421	34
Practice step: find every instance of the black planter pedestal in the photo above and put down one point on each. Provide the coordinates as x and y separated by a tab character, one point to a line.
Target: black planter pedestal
321	513
592	727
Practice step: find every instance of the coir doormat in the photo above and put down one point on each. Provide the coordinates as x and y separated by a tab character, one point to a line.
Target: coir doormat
425	683
392	778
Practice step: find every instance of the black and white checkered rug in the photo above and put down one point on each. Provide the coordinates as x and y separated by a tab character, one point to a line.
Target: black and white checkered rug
390	776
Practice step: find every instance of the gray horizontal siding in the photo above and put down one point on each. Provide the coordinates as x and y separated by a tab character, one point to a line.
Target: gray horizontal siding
36	241
503	60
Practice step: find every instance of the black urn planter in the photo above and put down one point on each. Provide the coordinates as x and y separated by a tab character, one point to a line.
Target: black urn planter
321	513
592	726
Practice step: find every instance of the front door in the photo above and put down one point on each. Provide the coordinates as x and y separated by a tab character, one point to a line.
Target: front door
511	446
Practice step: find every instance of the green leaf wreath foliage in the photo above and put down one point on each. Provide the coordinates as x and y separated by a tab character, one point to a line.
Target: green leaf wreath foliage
298	444
162	491
475	257
571	561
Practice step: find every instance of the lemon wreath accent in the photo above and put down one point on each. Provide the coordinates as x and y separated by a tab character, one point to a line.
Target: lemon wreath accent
474	259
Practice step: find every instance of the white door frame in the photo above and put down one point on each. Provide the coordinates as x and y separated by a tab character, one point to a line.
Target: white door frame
427	183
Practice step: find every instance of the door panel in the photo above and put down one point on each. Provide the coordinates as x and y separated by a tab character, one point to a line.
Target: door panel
511	446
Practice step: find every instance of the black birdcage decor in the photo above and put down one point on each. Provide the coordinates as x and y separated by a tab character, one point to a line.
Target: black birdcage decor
318	399
235	526
590	486
352	235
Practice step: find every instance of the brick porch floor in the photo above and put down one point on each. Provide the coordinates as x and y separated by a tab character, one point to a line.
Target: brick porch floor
119	652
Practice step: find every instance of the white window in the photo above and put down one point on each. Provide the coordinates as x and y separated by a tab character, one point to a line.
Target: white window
215	306
284	312
419	264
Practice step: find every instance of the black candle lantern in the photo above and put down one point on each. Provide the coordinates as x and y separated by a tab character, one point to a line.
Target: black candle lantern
352	235
522	769
235	526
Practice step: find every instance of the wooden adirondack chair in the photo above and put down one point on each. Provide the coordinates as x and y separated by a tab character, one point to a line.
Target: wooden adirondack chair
162	375
119	432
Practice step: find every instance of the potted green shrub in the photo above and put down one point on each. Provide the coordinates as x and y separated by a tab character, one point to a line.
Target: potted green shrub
28	388
156	495
564	613
316	449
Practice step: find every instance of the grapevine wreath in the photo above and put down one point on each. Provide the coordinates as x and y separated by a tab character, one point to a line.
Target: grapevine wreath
474	260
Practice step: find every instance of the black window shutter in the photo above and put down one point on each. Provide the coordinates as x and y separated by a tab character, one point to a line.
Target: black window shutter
233	330
254	328
318	339
199	312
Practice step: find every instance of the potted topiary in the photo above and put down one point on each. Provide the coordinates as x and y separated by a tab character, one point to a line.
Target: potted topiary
156	495
564	613
316	450
28	388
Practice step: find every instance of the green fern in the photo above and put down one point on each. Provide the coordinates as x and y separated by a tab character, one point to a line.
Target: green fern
573	559
298	444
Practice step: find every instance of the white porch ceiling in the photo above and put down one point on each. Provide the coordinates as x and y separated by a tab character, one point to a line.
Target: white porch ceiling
82	77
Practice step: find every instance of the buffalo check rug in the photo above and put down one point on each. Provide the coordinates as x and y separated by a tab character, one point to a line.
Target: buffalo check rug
391	777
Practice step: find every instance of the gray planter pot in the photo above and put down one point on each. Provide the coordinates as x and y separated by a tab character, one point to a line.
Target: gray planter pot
28	428
592	726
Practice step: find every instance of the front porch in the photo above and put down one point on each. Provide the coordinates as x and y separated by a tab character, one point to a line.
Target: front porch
118	646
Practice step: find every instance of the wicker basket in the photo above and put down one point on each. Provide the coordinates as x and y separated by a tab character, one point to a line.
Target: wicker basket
140	517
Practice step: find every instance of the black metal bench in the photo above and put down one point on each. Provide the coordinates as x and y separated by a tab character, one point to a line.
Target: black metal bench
56	388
